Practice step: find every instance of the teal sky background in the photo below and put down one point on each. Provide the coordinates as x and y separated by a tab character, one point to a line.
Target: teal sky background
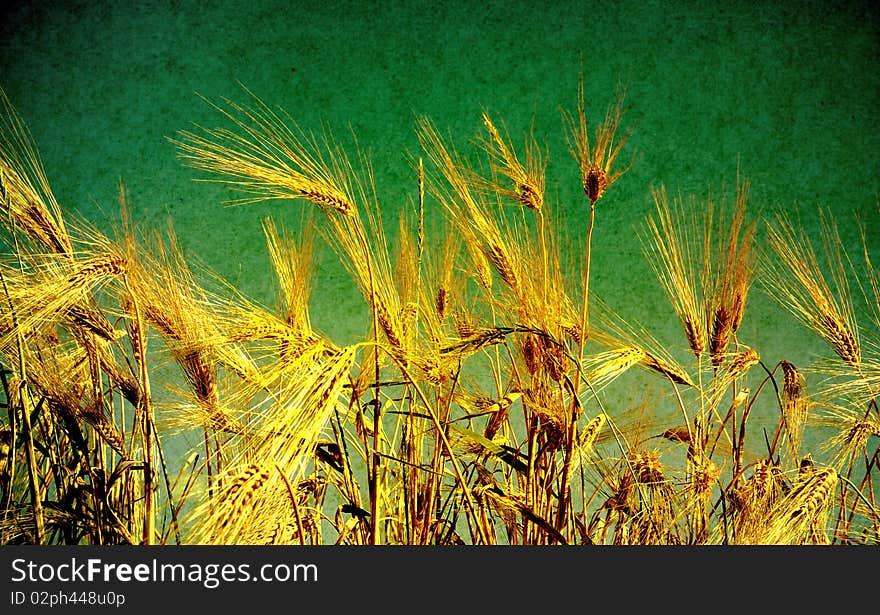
790	93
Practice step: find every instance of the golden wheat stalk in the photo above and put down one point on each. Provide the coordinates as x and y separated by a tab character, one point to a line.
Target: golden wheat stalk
605	367
292	263
486	239
258	345
596	159
704	475
851	428
735	368
45	293
585	442
528	180
729	272
26	200
741	263
611	331
285	432
445	277
794	518
859	390
671	241
796	280
366	255
169	300
795	406
60	374
270	159
751	502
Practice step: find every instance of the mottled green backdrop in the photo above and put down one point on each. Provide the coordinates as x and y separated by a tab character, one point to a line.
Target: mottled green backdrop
790	94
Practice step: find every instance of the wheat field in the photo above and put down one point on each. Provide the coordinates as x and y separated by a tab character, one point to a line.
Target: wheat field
475	409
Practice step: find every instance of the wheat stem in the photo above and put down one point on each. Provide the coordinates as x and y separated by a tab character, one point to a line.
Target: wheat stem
146	417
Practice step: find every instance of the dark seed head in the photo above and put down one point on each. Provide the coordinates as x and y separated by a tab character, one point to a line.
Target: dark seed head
595	183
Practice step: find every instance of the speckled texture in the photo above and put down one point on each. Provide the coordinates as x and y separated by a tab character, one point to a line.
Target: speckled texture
788	94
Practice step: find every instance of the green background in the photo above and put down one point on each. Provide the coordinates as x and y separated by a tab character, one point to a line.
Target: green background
790	94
